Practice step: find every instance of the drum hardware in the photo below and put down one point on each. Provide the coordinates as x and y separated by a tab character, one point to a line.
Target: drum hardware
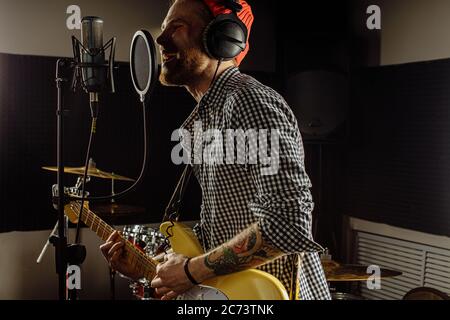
75	192
105	210
115	210
339	273
353	272
147	240
92	172
345	296
75	253
142	290
336	272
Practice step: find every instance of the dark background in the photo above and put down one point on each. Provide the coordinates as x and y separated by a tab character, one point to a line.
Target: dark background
387	162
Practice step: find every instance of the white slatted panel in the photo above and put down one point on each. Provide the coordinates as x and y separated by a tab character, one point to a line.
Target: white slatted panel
437	270
421	265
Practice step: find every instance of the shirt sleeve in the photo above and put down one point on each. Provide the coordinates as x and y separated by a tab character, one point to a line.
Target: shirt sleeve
283	202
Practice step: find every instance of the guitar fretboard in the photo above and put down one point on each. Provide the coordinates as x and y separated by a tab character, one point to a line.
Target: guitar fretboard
143	264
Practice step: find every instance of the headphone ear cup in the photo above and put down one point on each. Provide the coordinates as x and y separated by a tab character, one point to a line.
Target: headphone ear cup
225	37
207	40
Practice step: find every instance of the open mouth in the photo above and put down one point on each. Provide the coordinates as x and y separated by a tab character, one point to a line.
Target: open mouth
167	57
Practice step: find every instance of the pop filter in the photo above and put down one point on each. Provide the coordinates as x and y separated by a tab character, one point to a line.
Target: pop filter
143	64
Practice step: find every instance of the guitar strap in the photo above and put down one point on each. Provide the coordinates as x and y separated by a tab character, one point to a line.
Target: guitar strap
172	210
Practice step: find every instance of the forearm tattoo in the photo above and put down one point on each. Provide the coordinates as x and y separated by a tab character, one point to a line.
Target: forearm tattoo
247	250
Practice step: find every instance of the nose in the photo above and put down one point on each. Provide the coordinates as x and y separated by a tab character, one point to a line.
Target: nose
162	38
158	39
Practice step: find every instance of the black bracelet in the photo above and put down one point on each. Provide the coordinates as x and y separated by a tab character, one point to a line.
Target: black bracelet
188	274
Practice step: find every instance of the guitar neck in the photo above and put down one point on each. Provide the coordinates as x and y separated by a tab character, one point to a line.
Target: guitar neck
143	264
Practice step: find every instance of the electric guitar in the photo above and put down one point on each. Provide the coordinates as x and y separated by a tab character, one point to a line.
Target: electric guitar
250	284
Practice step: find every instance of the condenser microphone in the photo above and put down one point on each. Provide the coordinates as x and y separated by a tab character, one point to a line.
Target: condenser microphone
92	56
93	71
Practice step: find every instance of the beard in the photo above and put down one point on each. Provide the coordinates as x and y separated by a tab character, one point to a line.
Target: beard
183	70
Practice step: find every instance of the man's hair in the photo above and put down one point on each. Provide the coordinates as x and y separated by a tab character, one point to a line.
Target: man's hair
205	14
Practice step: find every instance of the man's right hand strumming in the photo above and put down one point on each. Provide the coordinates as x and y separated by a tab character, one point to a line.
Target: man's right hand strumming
114	251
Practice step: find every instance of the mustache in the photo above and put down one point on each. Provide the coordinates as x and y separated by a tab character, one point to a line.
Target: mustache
168	48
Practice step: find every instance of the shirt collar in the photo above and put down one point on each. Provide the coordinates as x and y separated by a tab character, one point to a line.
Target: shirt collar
214	94
212	97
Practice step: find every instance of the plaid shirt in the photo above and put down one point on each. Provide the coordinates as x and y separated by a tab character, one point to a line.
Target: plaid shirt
234	196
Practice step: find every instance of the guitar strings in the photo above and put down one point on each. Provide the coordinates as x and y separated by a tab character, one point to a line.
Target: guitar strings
141	259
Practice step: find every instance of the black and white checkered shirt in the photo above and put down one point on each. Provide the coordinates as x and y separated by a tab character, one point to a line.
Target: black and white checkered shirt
234	196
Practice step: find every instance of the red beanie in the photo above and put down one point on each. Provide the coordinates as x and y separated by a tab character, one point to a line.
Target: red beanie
245	15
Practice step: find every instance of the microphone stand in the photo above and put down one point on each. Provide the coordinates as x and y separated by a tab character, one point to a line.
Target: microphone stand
61	241
73	254
64	254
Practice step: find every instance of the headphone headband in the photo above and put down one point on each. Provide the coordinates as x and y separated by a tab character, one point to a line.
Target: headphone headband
233	5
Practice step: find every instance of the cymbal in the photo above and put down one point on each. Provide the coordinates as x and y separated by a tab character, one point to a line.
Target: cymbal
116	210
93	172
353	272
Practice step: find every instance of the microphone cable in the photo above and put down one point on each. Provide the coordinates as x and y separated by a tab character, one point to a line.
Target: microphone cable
94	115
141	174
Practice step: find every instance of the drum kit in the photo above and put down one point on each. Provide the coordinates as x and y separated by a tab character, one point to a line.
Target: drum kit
149	240
336	272
144	238
108	211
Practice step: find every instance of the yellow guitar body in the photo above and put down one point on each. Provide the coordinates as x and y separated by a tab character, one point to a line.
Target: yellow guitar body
244	285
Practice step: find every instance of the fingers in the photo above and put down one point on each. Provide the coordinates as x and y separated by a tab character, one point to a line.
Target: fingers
156	282
115	256
113	236
116	247
162	291
165	292
109	242
169	256
160	257
104	248
169	296
113	243
159	266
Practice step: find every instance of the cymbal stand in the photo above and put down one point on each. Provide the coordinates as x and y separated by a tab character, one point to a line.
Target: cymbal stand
112	273
112	189
47	244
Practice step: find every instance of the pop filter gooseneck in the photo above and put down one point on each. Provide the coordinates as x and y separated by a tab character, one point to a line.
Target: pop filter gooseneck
144	73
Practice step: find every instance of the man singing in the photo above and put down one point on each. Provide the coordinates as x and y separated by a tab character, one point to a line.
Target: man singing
251	217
